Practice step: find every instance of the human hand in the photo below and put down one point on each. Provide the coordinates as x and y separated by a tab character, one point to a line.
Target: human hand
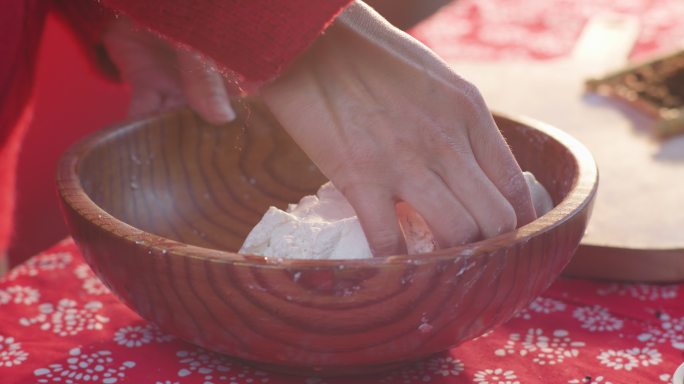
162	76
387	121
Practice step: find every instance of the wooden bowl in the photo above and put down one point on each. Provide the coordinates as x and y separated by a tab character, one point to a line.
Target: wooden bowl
159	207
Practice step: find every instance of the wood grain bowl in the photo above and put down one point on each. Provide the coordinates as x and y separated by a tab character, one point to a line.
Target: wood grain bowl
159	207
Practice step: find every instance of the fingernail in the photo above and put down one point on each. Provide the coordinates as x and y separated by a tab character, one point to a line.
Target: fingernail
225	113
219	113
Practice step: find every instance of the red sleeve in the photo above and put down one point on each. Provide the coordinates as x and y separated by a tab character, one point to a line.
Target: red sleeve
88	20
21	26
253	39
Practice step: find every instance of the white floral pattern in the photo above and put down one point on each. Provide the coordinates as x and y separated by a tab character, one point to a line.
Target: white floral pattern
546	305
214	368
81	367
19	294
68	318
133	336
138	335
91	283
629	359
40	263
618	360
543	305
95	286
543	349
11	353
445	366
669	330
523	314
597	319
646	356
495	376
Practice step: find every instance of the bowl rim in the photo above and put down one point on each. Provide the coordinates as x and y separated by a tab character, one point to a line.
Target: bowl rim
70	190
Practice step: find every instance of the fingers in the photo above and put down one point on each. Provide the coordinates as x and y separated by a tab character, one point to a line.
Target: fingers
460	205
449	220
164	77
204	88
133	50
494	156
375	208
496	160
147	64
488	207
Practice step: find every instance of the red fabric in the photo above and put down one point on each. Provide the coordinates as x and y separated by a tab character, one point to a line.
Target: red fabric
542	30
88	20
71	99
252	39
9	154
21	24
58	321
21	27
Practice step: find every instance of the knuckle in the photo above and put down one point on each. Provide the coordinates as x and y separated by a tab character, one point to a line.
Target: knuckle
462	230
454	147
506	221
514	184
472	95
473	104
469	233
450	142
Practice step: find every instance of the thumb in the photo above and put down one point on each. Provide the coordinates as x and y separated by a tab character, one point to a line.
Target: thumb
204	88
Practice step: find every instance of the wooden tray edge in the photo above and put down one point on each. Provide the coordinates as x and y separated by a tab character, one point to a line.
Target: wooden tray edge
627	264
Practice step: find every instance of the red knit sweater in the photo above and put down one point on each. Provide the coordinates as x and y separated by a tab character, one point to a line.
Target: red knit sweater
252	40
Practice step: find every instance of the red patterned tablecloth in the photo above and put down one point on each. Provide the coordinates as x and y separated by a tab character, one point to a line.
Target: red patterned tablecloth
542	29
59	324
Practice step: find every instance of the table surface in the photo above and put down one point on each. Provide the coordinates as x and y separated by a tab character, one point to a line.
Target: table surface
59	324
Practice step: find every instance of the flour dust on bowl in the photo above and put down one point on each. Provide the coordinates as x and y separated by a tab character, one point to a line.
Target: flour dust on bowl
159	207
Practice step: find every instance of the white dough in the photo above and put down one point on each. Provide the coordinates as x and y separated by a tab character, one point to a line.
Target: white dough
540	197
319	227
325	226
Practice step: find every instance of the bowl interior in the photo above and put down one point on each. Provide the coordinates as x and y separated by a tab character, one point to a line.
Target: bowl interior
203	185
202	188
